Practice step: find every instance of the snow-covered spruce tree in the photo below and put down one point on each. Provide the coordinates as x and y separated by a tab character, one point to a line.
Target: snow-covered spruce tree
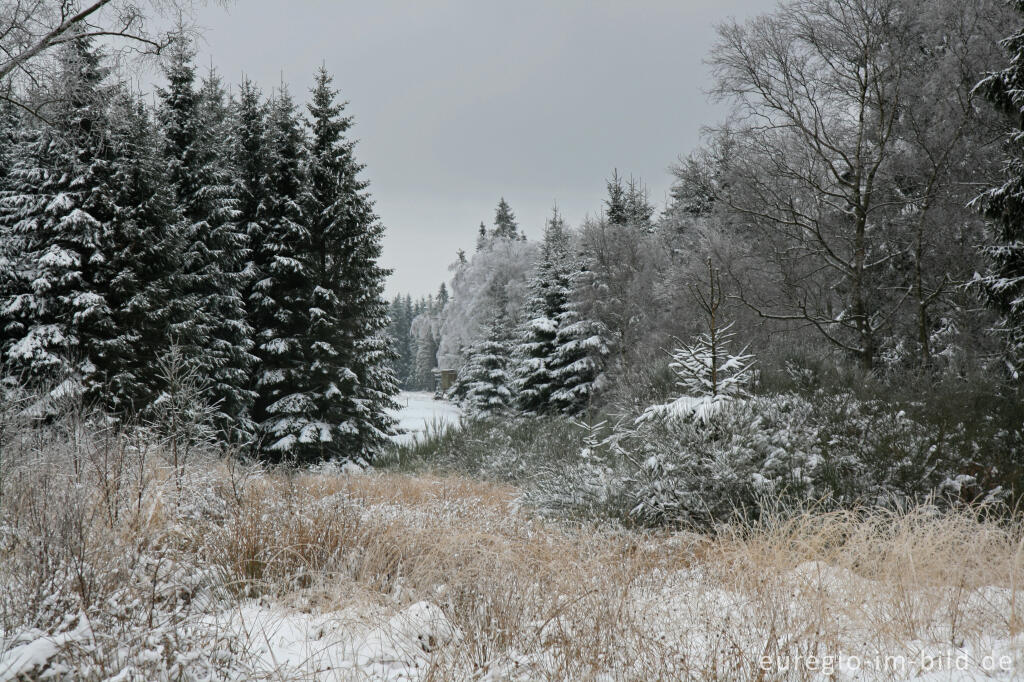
548	302
708	375
251	189
57	200
628	203
615	206
338	396
577	365
140	268
1003	205
10	127
485	378
209	320
280	287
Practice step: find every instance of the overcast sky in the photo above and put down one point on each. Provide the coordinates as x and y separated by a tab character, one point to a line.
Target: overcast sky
460	102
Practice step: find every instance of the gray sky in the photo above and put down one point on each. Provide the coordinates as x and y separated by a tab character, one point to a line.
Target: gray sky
460	102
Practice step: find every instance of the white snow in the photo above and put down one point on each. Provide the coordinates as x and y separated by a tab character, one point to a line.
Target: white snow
22	659
342	645
419	413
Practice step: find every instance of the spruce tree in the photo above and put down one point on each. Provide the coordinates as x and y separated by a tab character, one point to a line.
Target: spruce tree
505	225
549	297
1003	205
277	300
209	320
140	267
639	211
400	313
250	158
10	127
577	365
337	406
485	380
54	209
425	342
616	205
249	151
481	237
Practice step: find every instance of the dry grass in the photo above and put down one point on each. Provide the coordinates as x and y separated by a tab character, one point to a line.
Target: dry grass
103	528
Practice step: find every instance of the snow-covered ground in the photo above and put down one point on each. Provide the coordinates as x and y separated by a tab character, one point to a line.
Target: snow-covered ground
421	413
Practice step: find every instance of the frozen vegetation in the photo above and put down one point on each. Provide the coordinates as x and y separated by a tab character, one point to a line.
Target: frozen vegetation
115	564
772	429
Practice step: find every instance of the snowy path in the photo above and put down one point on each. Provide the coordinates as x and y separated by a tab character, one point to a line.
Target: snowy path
420	413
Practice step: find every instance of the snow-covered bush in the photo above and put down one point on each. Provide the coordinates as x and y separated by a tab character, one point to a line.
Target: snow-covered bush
692	472
835	450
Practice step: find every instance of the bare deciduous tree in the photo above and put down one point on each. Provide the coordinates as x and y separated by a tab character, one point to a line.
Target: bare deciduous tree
817	89
848	160
30	30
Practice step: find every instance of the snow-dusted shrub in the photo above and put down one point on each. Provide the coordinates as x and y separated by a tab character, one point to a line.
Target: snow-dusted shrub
835	450
592	484
695	472
881	455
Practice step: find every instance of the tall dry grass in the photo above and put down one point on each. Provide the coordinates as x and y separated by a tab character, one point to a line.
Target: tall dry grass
100	525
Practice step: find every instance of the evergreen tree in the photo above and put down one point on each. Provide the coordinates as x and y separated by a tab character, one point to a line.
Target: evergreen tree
10	129
639	211
425	360
209	320
336	407
708	375
400	313
56	204
616	208
577	366
481	236
250	162
281	288
140	267
1004	205
549	299
485	381
627	203
250	159
505	225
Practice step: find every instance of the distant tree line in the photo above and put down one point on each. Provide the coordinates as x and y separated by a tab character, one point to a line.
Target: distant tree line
861	206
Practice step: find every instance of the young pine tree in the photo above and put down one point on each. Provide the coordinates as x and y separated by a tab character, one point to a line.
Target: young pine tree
708	374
